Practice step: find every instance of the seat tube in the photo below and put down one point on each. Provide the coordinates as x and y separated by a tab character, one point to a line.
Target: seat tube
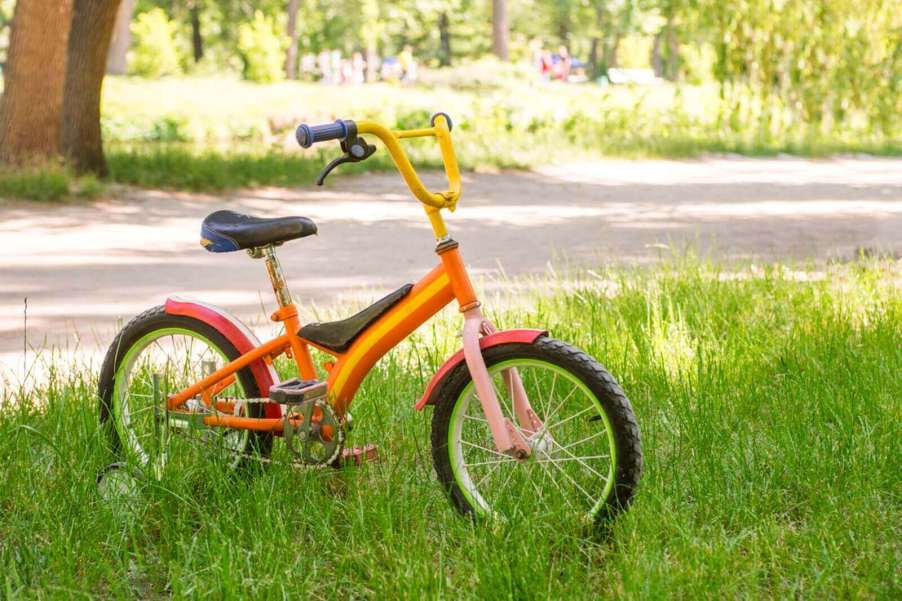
287	312
276	276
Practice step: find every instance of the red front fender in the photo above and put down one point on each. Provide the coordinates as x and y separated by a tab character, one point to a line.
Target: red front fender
503	337
236	333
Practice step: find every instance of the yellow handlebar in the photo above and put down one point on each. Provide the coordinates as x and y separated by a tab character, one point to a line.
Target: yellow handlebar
434	201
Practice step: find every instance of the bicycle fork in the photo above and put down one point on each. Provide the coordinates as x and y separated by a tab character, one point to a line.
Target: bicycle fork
508	439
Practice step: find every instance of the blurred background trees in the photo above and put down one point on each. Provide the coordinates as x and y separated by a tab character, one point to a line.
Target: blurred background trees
812	65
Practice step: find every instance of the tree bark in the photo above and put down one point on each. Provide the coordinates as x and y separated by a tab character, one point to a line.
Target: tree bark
291	55
499	28
614	60
673	54
32	102
657	61
197	39
594	64
444	36
116	60
89	40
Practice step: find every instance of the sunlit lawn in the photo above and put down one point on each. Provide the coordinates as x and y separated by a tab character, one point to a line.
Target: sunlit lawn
769	402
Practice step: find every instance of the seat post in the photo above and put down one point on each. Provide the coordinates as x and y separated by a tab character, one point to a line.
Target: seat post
274	268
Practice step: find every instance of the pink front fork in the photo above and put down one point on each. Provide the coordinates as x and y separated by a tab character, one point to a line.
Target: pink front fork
507	437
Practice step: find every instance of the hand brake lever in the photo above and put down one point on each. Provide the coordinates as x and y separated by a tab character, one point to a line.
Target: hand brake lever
355	151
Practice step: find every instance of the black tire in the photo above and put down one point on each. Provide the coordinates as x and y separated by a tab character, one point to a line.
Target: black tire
258	443
605	389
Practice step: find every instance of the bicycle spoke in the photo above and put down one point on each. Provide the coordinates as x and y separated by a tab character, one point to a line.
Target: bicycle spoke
578	460
561	404
488	462
555	470
561	423
487	450
507	481
177	357
575	483
572	459
587	439
490	472
547	474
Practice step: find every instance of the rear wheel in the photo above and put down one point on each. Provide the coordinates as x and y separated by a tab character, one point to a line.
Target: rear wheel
585	461
176	351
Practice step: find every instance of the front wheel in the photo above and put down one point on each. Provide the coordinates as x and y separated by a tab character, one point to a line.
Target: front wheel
585	461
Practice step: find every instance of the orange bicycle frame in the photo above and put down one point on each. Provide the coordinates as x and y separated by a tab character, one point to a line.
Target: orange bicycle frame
448	281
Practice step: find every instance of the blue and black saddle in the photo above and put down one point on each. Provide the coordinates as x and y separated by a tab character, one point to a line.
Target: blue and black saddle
227	231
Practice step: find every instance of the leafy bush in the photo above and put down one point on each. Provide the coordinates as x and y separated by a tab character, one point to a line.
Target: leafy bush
154	52
260	48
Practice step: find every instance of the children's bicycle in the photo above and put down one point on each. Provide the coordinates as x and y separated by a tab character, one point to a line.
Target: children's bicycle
522	423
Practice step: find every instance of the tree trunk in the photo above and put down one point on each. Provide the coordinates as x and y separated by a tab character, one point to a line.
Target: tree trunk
610	54
116	60
291	55
444	36
499	28
657	61
594	65
32	102
92	27
673	54
197	40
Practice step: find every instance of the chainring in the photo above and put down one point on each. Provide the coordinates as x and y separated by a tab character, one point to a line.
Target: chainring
319	437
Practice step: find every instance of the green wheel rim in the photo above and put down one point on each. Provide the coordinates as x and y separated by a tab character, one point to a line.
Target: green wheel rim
578	391
122	412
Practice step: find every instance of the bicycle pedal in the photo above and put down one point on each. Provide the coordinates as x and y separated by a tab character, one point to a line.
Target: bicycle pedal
296	391
359	455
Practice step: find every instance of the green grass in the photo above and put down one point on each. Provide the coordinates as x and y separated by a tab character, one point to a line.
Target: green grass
215	133
212	134
48	183
769	402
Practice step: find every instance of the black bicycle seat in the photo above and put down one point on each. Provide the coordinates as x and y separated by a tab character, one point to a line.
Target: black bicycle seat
227	231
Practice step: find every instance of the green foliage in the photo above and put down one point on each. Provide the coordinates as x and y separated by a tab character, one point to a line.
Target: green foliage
154	49
505	120
818	69
214	134
768	399
261	50
824	66
47	183
634	52
175	167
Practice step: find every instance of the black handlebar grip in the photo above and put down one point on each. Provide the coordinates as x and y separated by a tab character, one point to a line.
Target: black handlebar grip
308	135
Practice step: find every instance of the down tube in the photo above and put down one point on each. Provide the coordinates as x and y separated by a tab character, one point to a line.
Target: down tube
427	298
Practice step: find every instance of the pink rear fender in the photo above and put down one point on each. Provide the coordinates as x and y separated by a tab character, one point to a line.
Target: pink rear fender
235	332
503	337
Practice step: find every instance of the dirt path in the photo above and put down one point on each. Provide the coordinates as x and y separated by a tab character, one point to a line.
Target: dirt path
84	267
